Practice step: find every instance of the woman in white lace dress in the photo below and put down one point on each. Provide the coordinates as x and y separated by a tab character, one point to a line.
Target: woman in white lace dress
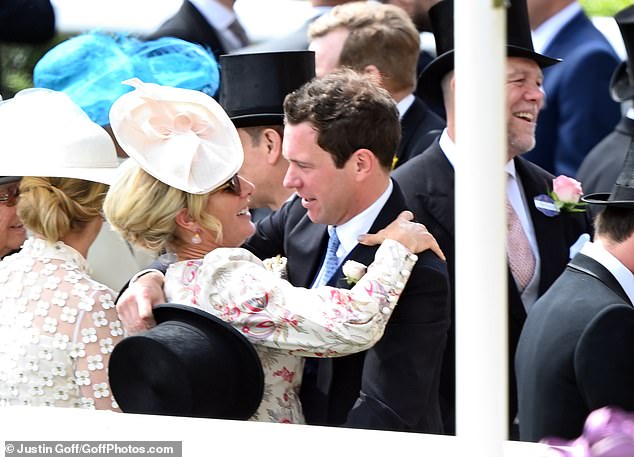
197	207
57	325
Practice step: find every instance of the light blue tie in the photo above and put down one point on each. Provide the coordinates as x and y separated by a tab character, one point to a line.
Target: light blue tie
331	262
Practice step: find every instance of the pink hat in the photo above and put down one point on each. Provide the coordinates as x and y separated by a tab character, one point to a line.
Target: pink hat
181	137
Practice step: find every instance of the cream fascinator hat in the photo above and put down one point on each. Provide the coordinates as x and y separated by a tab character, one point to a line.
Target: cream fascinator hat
181	137
44	133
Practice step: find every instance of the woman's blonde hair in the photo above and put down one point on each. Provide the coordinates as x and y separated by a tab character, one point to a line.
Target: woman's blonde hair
143	209
53	207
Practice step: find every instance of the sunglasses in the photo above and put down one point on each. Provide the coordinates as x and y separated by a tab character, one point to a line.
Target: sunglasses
11	197
233	185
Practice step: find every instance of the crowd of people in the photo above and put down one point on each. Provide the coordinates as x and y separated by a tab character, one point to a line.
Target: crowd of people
292	203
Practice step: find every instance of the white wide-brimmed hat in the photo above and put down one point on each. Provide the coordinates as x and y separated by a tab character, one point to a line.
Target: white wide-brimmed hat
44	133
181	137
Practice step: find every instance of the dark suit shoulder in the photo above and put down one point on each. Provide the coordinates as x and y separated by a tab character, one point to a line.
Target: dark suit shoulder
190	25
414	176
420	127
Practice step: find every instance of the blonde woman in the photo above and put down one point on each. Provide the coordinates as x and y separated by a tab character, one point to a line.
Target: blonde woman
185	196
57	325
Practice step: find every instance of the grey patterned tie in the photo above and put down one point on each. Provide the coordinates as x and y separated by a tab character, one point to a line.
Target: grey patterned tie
518	249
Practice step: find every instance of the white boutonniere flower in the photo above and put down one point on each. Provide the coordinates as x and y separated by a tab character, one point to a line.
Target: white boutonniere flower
353	271
276	265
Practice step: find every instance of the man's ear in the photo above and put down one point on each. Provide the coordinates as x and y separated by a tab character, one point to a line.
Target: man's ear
374	72
363	161
184	220
273	142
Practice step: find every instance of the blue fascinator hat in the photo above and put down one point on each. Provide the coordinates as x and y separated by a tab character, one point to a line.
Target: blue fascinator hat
90	68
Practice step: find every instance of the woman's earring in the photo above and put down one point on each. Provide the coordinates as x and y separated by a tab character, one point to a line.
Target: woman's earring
196	239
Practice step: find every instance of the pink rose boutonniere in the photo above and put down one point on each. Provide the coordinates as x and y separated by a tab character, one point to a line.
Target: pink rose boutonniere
565	196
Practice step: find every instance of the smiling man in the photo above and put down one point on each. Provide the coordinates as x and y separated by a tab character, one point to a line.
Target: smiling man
12	232
538	243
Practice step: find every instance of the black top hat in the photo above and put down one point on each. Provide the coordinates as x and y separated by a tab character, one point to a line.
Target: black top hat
253	86
9	179
191	364
518	39
622	83
622	194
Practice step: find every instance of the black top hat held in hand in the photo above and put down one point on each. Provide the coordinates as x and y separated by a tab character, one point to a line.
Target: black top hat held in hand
191	364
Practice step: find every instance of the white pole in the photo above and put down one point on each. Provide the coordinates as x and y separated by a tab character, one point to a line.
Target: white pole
481	309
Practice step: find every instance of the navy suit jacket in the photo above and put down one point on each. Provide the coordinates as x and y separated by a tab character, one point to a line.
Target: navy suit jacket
190	25
427	181
578	110
394	385
599	170
575	352
420	126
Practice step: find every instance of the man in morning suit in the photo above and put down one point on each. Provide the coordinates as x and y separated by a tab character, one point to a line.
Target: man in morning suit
602	165
339	137
340	134
347	36
212	23
578	110
428	182
575	351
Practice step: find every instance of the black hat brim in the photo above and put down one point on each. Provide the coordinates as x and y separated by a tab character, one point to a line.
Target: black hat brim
603	199
257	120
621	89
9	179
430	79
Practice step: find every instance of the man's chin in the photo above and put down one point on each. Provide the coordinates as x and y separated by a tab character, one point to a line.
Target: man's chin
314	217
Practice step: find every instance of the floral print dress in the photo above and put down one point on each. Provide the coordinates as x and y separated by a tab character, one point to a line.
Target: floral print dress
57	329
287	323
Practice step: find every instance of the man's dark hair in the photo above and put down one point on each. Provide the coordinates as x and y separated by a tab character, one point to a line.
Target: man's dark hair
349	112
614	223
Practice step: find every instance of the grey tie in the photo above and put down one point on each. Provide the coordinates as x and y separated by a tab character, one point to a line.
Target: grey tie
239	33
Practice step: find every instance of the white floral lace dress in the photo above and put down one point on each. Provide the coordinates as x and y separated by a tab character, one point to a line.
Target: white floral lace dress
57	329
287	323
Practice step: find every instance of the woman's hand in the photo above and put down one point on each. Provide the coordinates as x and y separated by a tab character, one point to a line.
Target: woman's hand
412	235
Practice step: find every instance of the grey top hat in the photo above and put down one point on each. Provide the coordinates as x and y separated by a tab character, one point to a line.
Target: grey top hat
253	86
518	44
191	364
622	83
